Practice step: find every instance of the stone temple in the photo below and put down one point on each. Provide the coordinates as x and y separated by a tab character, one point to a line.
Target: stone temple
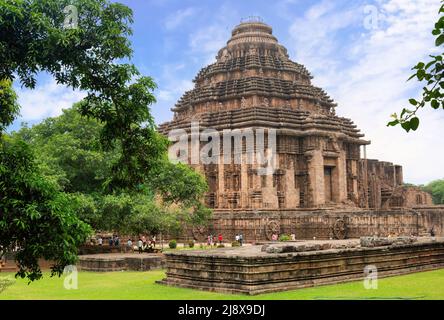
322	185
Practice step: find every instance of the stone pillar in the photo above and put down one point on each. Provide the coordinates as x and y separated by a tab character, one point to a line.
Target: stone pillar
244	182
316	176
354	172
341	185
221	201
291	193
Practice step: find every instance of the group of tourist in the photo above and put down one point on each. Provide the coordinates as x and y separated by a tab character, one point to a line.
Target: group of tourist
113	241
213	240
143	244
239	238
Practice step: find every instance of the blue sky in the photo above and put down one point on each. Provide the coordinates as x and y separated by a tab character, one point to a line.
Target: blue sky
359	51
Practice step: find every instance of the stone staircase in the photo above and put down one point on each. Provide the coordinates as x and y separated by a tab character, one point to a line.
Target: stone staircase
8	267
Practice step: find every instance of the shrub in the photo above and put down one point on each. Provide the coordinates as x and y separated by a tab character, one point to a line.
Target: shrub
191	243
173	244
235	244
221	246
284	237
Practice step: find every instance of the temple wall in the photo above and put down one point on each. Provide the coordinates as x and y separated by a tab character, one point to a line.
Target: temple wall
323	224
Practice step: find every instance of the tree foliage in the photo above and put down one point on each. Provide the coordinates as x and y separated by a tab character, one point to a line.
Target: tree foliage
9	107
34	38
35	216
436	188
69	153
431	75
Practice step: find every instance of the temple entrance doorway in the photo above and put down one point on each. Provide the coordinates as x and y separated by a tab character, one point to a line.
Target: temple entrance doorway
328	182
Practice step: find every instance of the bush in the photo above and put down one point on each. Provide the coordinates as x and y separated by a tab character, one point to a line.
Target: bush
284	237
173	244
221	246
191	243
235	244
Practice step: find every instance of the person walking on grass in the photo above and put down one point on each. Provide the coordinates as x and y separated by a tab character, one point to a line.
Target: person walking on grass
220	238
241	239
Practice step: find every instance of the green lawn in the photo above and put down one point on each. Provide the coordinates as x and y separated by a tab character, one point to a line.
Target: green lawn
140	285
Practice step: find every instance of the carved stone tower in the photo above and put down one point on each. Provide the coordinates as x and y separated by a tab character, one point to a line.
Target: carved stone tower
253	85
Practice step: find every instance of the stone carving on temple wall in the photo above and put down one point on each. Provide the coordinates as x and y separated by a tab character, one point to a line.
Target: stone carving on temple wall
200	233
244	103
225	56
288	104
340	229
252	51
265	102
272	227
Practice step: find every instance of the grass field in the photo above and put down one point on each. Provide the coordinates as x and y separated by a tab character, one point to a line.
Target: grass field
140	285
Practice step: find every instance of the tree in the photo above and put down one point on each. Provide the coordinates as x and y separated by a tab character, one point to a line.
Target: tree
436	188
68	151
34	37
181	186
431	74
35	215
9	107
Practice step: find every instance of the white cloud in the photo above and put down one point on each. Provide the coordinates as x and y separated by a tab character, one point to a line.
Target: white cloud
206	42
366	73
177	18
203	45
47	100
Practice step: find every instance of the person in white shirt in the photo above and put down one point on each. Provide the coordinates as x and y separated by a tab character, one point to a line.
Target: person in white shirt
139	245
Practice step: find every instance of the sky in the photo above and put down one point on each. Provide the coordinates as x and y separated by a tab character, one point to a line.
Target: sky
360	51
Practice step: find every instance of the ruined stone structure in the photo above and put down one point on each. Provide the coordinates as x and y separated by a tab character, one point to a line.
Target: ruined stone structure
250	270
321	186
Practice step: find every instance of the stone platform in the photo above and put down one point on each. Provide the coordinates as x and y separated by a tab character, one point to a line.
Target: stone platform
254	270
121	262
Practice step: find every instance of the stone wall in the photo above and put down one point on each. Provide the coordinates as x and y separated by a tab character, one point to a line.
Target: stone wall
322	224
121	262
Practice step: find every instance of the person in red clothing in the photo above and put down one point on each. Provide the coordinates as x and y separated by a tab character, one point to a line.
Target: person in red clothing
220	238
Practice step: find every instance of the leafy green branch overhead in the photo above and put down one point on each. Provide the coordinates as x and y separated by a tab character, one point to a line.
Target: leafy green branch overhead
37	213
431	74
